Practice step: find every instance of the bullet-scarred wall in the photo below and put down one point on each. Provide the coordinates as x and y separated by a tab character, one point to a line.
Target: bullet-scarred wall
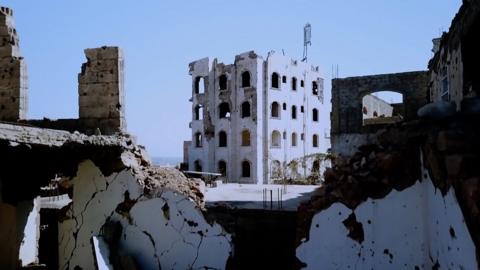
13	74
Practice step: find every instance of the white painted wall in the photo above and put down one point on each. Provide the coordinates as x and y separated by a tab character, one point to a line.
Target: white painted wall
404	230
152	239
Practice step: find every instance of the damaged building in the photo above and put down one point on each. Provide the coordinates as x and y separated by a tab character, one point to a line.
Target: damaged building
403	194
256	119
80	193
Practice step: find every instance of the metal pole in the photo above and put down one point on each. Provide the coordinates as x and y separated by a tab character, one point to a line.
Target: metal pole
263	198
271	199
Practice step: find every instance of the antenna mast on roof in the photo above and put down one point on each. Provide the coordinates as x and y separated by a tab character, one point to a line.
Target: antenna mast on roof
307	40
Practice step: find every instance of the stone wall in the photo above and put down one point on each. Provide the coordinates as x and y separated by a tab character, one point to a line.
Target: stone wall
101	93
13	72
347	95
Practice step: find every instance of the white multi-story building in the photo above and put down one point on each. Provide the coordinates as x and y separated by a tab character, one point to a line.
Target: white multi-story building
255	116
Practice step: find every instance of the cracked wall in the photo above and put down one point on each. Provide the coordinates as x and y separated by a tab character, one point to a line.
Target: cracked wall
416	228
162	229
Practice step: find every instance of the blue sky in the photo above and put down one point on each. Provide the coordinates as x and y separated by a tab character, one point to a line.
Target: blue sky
160	38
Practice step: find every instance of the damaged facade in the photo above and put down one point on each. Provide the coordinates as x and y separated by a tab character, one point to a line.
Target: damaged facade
403	195
251	119
117	211
453	70
400	194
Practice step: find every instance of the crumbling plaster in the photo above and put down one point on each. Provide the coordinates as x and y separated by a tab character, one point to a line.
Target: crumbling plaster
161	230
417	228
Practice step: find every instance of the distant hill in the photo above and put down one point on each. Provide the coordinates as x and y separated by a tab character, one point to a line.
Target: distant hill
167	161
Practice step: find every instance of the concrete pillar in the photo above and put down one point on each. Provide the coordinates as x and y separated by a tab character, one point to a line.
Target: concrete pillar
13	71
101	90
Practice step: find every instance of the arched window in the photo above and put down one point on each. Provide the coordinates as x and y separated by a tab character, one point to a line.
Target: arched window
302	83
222	82
276	139
198	165
222	167
222	139
301	109
284	106
314	88
198	139
246	79
199	85
284	79
223	110
364	110
245	168
294	84
294	112
294	139
375	114
275	78
246	138
246	109
275	110
198	112
315	115
315	140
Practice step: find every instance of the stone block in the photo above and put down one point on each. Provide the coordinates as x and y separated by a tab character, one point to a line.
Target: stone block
104	53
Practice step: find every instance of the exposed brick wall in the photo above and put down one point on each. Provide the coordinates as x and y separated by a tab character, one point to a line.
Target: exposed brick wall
13	71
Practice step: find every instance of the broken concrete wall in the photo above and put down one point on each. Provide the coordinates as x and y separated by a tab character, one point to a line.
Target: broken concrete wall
416	228
13	72
159	229
379	183
101	90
